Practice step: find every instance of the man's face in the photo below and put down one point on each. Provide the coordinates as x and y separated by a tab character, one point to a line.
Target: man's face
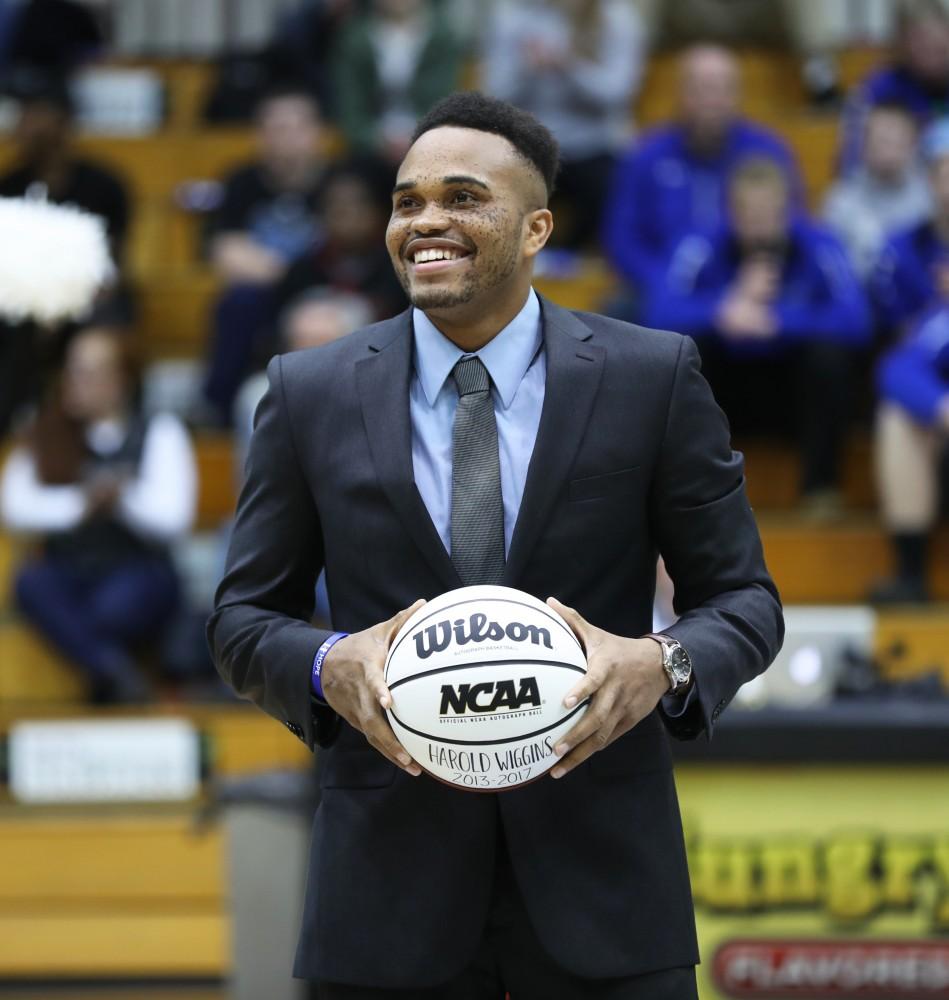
352	217
94	385
288	129
460	229
890	144
709	91
759	214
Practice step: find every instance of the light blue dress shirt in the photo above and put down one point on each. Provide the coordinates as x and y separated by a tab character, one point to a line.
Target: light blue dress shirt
518	368
516	363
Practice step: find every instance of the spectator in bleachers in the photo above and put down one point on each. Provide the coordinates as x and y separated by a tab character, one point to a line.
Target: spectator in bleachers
887	192
352	256
304	43
913	267
814	30
318	316
778	315
48	165
912	429
268	216
673	180
392	63
575	65
107	492
917	79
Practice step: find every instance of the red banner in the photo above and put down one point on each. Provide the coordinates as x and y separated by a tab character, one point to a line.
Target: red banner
894	970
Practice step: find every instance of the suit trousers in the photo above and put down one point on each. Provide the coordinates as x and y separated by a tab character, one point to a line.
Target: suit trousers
512	961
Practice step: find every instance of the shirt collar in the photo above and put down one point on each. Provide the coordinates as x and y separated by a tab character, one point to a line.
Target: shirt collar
507	356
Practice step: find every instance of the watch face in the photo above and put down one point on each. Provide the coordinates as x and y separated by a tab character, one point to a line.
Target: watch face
680	663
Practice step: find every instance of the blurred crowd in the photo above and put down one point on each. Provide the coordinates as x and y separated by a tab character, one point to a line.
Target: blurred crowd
810	323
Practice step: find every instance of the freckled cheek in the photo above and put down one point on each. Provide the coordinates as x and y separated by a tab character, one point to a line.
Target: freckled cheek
395	237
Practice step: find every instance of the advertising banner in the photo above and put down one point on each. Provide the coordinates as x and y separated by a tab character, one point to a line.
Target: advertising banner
819	882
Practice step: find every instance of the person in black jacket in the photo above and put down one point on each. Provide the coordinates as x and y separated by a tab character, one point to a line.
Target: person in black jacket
607	449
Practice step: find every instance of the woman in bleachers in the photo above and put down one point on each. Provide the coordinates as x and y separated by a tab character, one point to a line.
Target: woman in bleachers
106	490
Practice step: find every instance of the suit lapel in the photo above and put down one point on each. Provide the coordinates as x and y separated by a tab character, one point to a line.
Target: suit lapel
574	368
382	380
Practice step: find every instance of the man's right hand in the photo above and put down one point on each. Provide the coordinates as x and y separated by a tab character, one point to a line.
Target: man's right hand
354	686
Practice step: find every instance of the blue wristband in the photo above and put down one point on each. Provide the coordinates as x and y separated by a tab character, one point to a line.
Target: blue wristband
318	660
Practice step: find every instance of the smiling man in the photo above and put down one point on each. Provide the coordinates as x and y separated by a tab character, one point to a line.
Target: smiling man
488	436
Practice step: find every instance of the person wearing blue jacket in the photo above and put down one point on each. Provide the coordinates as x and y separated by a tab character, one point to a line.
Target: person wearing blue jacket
917	79
673	180
779	318
912	427
913	268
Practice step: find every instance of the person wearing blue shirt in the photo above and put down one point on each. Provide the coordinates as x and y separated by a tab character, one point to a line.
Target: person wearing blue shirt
912	425
913	269
487	435
673	180
918	79
779	318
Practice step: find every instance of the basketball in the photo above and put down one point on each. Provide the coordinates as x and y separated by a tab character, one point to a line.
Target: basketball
478	677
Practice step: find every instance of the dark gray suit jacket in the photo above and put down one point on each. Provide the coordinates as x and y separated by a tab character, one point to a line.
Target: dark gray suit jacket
632	459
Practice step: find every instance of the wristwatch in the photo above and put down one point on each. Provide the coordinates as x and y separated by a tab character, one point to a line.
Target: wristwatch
675	661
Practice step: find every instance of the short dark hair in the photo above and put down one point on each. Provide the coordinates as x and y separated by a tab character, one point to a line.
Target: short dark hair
470	109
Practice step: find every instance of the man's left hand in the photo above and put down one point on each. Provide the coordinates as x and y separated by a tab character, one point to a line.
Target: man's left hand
624	682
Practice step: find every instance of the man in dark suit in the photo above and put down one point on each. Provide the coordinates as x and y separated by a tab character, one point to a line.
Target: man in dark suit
489	436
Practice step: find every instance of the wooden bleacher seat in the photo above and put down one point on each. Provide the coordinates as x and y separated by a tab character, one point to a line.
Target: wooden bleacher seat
773	475
112	895
835	563
31	671
856	63
7	562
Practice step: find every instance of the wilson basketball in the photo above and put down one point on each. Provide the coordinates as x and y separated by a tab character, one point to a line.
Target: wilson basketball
478	677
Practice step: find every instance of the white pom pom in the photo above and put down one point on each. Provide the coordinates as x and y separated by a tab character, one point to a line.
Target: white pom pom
53	260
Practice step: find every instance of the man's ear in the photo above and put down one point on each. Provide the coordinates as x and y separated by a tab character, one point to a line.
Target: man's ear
538	224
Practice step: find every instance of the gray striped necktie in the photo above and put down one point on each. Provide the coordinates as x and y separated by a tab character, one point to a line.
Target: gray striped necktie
477	512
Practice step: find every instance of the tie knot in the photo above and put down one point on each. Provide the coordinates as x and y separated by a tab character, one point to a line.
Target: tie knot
470	376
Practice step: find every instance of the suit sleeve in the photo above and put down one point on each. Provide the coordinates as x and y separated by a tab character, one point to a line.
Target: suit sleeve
730	613
260	634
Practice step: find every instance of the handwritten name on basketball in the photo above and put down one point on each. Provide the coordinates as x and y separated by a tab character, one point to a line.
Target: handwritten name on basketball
489	696
438	637
473	761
